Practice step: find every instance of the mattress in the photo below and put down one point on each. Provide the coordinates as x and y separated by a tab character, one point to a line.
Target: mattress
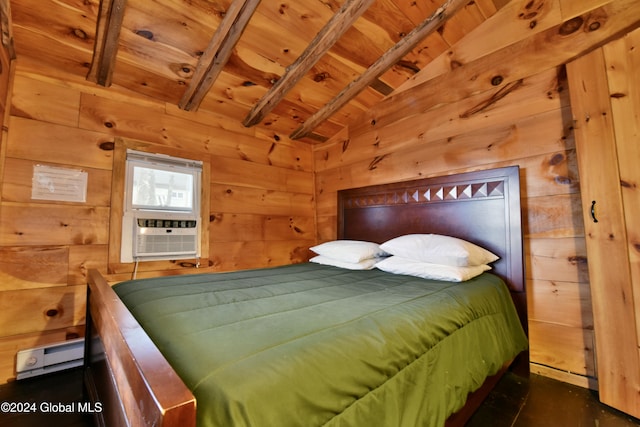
313	345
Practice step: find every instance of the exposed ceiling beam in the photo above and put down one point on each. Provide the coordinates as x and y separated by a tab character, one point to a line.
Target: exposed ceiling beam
386	61
7	29
107	35
218	52
321	43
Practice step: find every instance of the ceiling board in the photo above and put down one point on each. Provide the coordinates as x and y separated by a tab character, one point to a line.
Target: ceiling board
161	43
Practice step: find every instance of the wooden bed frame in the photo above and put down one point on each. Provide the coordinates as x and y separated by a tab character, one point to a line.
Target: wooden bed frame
135	384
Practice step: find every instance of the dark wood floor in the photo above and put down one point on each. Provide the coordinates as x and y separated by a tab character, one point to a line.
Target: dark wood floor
516	402
60	387
542	402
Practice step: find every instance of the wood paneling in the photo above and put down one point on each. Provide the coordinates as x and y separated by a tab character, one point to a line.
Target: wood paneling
562	303
470	116
231	227
52	143
25	224
426	130
162	45
259	186
19	172
235	198
529	125
41	309
556	345
532	18
623	64
557	259
32	96
554	216
482	102
541	51
84	257
244	255
606	104
33	267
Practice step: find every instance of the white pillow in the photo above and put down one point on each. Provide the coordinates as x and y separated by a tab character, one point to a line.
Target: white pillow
439	249
349	250
399	265
366	264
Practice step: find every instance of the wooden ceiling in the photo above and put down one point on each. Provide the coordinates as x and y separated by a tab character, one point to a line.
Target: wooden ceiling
303	68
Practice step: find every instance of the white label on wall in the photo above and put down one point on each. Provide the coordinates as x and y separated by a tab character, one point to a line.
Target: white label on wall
56	183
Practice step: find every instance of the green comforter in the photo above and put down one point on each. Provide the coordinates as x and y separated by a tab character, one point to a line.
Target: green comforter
311	345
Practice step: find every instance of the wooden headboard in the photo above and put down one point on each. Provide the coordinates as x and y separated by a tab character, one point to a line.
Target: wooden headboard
482	207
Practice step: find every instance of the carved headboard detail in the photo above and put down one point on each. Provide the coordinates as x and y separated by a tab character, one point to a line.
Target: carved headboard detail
482	207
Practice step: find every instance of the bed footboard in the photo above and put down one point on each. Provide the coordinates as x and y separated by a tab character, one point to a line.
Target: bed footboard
125	372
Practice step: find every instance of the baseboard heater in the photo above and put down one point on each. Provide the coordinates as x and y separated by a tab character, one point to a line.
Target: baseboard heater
49	358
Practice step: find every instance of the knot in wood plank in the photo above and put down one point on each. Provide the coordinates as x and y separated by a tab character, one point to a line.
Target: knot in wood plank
319	77
145	33
80	33
571	26
107	146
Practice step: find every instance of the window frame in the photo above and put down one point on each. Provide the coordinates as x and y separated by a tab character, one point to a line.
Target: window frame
163	163
118	187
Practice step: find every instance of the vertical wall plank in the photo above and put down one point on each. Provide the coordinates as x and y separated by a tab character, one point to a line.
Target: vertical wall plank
598	143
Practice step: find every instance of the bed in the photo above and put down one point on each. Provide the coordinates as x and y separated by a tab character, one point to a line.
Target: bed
357	348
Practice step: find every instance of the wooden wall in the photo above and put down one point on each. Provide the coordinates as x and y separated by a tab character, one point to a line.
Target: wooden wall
531	127
261	198
271	198
480	106
605	99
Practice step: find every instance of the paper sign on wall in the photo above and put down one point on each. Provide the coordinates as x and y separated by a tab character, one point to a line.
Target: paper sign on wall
61	184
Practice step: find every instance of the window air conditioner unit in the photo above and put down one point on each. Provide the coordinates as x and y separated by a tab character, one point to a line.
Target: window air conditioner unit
165	239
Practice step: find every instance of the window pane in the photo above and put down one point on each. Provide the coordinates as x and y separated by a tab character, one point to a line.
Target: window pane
157	188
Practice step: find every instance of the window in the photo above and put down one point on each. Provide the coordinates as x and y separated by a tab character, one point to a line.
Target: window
162	183
161	207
